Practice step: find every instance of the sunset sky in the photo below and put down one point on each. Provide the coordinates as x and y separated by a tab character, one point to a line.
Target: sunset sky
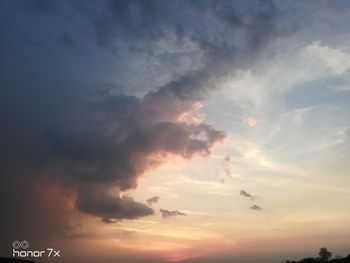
175	131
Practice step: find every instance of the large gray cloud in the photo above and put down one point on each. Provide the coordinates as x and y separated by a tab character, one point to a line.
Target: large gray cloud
100	202
120	160
98	147
143	128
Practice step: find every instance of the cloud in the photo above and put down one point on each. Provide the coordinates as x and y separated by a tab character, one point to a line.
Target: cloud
250	122
135	135
256	208
169	213
131	19
109	220
142	25
96	148
152	200
246	194
335	59
142	132
110	206
119	160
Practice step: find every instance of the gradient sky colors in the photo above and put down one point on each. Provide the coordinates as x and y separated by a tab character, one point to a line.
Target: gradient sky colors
175	131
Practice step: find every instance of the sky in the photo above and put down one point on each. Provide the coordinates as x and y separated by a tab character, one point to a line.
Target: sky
175	131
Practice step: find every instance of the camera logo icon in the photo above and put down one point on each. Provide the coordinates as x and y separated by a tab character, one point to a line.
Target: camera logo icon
20	244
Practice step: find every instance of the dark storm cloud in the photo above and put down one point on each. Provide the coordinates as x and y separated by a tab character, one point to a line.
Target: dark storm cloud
256	208
97	200
98	147
120	150
152	200
136	19
170	213
145	22
32	208
121	159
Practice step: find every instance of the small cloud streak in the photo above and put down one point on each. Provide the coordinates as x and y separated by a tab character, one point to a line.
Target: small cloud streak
256	208
252	198
169	213
152	200
246	194
250	122
109	220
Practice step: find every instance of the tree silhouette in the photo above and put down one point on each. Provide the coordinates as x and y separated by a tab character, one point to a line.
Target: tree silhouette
325	254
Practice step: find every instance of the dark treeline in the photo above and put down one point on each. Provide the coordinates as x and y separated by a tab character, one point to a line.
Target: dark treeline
324	256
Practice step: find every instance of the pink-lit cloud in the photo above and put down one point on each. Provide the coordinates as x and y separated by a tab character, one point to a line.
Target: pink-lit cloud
250	122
